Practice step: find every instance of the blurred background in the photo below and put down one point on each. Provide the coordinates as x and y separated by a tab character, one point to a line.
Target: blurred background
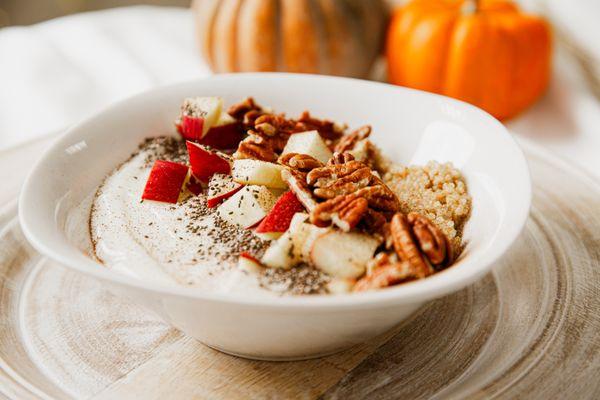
67	59
26	12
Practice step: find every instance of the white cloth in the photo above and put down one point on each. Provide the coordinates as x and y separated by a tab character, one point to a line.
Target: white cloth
55	73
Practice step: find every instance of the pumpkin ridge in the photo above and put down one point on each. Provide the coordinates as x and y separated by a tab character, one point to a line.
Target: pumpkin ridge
226	34
342	37
318	15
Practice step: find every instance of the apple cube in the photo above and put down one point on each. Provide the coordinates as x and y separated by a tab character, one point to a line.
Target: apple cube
309	143
343	254
193	185
249	263
279	218
257	172
281	253
248	206
305	235
198	115
294	246
221	187
226	134
205	162
165	181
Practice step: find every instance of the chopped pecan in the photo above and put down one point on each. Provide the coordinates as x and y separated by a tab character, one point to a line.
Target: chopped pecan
345	185
380	197
348	142
296	181
302	162
324	176
386	275
344	211
432	242
239	110
373	221
340	158
255	147
250	118
406	247
327	129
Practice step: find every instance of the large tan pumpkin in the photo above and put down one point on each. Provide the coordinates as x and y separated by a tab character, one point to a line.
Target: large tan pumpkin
335	37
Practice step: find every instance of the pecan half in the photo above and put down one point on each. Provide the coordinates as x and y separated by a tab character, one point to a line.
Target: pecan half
255	147
373	221
302	162
340	158
406	246
327	129
324	176
432	242
344	211
380	197
348	142
386	275
239	110
345	185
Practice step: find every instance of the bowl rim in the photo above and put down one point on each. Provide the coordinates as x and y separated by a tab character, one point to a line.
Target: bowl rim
437	285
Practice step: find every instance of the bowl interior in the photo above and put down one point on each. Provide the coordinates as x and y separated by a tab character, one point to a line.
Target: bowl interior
410	126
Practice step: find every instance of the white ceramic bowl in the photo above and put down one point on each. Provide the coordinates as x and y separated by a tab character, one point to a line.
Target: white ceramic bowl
410	126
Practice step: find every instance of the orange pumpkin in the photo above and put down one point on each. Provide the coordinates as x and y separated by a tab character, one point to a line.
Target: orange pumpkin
484	52
335	37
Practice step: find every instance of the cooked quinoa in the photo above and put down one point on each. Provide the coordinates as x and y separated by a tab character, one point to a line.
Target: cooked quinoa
435	190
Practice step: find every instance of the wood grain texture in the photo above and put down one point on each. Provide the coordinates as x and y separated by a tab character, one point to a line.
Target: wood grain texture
531	329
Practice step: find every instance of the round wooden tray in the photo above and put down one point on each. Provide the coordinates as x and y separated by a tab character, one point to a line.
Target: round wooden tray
531	329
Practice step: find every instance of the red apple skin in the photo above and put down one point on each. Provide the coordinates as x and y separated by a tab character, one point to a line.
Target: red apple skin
279	218
224	137
206	163
194	186
165	181
212	202
191	128
245	254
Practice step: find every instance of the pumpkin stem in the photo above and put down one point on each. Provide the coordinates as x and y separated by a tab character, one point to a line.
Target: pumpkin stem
470	7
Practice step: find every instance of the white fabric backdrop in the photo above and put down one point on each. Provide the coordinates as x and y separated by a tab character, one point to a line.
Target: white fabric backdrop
55	73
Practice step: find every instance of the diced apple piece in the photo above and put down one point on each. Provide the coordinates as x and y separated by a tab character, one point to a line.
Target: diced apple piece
304	235
192	184
165	181
279	218
340	285
293	247
343	255
248	206
268	236
225	134
297	219
205	162
191	128
281	253
198	115
256	172
249	263
221	187
309	143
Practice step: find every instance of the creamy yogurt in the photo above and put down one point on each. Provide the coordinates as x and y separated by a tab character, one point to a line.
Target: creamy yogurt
183	243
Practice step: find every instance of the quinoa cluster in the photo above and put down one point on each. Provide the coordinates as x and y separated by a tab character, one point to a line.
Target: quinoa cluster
437	191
